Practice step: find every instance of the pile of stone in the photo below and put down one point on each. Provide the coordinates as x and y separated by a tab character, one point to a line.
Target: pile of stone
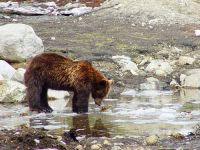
48	8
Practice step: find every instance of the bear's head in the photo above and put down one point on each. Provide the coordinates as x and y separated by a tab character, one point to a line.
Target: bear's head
100	90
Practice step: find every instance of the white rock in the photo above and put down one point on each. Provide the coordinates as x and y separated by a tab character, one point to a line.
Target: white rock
126	64
106	142
6	70
1	77
197	32
19	42
96	147
11	91
192	81
77	11
158	67
183	60
19	75
150	84
56	94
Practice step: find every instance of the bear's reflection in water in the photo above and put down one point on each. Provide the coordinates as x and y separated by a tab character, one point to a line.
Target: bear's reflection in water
82	125
79	122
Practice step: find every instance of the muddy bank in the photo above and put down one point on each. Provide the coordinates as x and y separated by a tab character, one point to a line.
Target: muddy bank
29	138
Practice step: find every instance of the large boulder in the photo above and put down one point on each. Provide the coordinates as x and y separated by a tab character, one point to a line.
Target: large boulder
159	67
19	42
6	70
19	75
11	91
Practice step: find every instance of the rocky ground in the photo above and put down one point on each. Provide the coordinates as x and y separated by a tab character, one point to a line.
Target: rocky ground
129	41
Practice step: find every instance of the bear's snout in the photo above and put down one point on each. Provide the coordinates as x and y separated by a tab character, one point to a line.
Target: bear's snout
98	101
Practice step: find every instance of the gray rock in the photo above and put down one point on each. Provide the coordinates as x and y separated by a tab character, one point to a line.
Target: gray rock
11	91
19	40
126	64
19	75
6	70
159	67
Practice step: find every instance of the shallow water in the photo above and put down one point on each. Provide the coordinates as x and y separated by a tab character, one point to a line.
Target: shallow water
134	113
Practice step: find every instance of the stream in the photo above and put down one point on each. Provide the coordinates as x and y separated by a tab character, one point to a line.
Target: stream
133	114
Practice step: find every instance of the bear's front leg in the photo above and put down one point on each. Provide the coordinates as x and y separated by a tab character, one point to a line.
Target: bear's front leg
33	97
80	101
44	101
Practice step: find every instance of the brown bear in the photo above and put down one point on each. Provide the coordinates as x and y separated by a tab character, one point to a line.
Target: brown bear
54	71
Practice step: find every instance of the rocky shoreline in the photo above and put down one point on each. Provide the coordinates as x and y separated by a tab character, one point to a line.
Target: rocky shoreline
137	50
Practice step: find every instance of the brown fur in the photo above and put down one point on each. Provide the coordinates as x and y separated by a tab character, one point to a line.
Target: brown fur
53	71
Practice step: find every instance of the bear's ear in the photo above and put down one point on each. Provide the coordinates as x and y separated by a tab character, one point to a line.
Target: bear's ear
102	83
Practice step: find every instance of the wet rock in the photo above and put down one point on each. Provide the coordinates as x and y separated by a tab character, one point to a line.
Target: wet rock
11	91
55	94
96	147
19	40
152	140
126	64
174	84
6	70
19	75
159	67
185	60
150	84
79	147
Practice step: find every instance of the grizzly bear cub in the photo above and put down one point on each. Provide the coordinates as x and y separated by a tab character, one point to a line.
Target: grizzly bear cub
53	71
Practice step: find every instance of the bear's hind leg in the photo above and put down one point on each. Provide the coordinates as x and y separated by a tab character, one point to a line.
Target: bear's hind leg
44	101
